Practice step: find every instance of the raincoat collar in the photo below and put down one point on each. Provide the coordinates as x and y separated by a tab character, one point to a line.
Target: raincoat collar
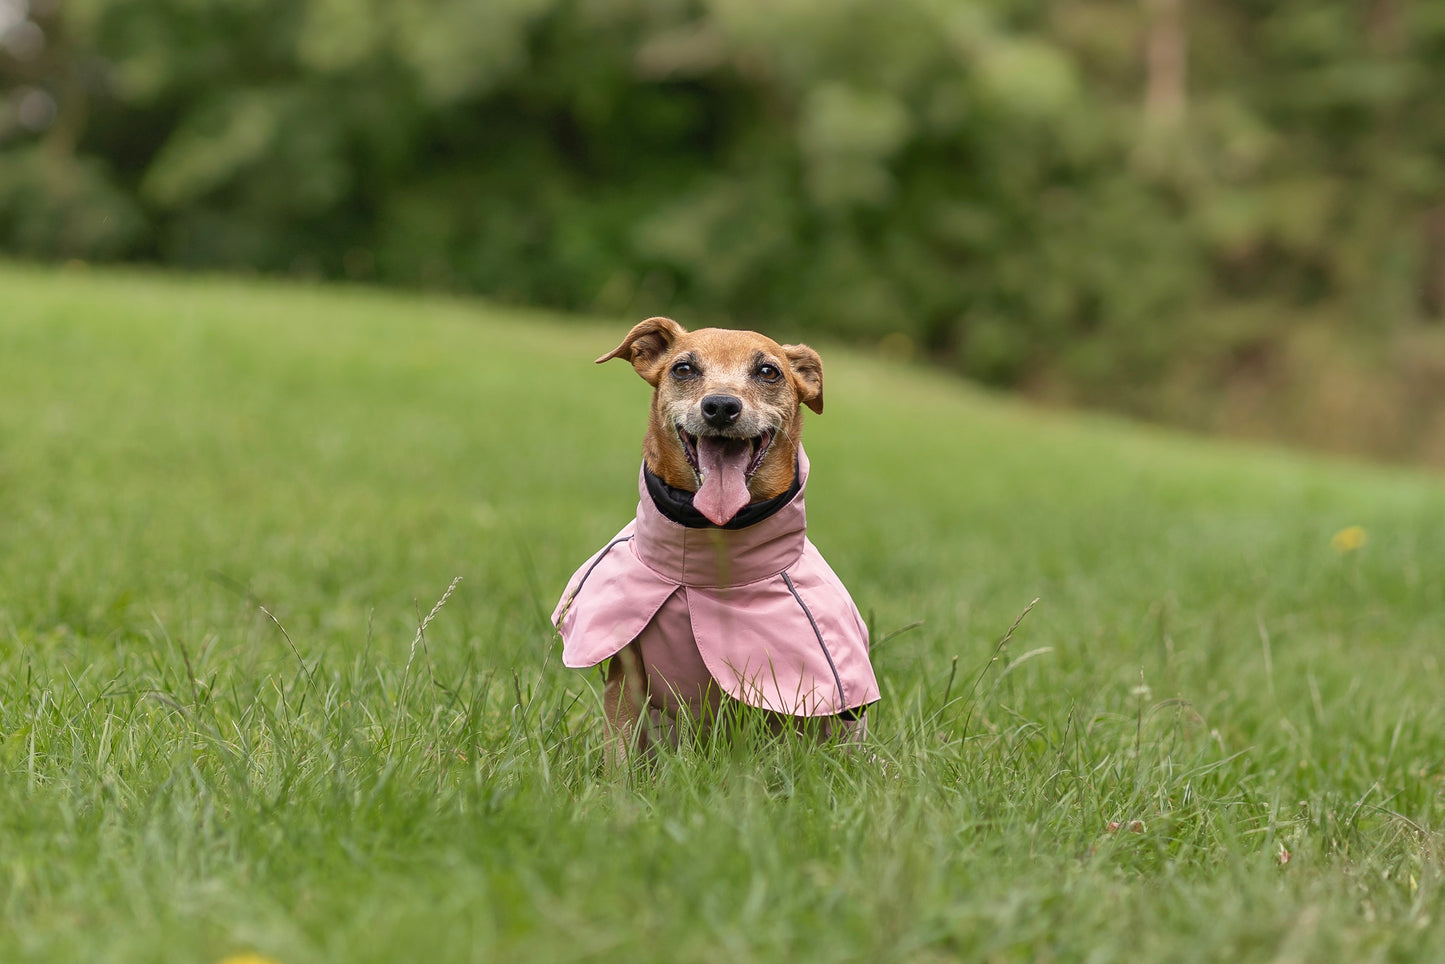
714	558
677	505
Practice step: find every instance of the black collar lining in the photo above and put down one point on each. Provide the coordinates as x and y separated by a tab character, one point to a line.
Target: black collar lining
676	504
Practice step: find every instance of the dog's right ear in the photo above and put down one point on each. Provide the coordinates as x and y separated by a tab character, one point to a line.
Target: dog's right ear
645	345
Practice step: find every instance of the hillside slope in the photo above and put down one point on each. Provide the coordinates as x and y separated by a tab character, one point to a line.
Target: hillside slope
1215	653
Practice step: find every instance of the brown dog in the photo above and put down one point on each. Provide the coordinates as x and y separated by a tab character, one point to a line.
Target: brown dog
716	590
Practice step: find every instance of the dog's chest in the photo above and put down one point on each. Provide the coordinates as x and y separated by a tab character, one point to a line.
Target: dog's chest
677	678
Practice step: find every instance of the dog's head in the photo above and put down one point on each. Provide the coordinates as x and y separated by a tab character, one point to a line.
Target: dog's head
725	417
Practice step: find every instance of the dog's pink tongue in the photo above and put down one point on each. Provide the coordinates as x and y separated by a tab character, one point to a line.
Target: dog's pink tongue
723	463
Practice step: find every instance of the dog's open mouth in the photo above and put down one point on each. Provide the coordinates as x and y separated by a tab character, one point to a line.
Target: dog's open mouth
723	466
756	448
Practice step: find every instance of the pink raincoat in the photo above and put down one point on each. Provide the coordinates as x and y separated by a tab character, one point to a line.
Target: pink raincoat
755	611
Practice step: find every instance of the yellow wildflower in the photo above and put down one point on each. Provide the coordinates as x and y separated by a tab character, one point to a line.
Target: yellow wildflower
1348	539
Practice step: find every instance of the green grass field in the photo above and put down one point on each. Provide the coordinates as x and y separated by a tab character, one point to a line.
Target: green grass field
184	777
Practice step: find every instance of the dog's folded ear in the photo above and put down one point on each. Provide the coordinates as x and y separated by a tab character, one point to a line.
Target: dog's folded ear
807	375
645	345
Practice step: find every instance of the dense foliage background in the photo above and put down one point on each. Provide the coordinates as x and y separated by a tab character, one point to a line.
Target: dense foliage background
1229	213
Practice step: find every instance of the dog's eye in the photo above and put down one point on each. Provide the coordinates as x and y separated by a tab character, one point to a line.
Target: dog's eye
683	370
769	373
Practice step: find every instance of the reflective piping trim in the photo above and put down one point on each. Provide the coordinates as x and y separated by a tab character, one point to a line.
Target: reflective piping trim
600	556
842	699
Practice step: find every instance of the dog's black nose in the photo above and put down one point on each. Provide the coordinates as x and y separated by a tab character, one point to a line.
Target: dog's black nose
720	411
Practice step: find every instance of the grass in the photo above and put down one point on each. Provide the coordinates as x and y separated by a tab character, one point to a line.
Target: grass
185	775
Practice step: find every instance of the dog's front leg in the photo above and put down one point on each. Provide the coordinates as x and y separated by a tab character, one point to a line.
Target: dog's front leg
624	707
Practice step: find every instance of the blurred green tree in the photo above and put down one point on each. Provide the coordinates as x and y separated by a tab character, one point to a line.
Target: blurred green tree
1081	196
